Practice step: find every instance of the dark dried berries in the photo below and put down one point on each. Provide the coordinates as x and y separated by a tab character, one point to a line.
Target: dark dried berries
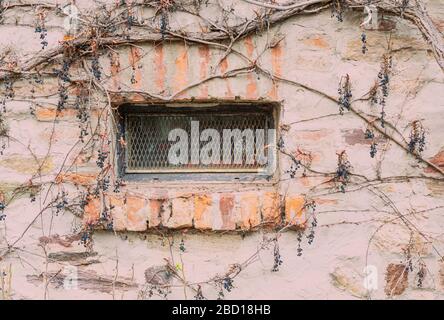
364	42
277	257
343	171
299	239
417	139
61	201
182	246
2	213
345	94
101	158
228	284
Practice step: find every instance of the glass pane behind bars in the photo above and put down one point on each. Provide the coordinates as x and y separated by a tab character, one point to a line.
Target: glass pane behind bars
148	146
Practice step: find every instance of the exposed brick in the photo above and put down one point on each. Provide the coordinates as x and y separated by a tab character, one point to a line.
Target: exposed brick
181	68
317	41
137	213
181	213
64	241
271	208
28	165
250	213
294	213
118	212
313	135
437	160
396	278
226	208
203	218
49	114
92	211
83	179
155	215
357	136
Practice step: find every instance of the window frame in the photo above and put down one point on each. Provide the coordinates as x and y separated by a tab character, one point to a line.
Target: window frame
270	108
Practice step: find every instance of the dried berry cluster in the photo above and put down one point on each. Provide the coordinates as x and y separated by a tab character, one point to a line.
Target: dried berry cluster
101	158
417	138
106	218
299	239
102	185
422	270
310	208
338	7
86	238
3	132
83	111
36	79
277	257
369	134
9	88
9	94
117	184
301	158
228	284
225	283
158	290
345	94
40	28
343	171
95	65
408	262
380	91
63	78
182	246
2	211
61	201
133	74
295	165
364	42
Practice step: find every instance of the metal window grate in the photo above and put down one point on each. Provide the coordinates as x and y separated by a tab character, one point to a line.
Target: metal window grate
148	146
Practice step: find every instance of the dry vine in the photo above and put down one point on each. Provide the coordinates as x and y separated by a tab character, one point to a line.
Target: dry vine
117	26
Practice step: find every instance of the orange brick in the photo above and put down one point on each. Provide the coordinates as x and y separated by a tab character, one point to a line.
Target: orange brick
271	212
226	207
49	114
118	212
77	178
155	215
202	212
181	213
437	160
92	211
249	208
137	213
294	210
317	41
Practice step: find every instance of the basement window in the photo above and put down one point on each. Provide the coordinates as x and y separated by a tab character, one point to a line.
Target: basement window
198	139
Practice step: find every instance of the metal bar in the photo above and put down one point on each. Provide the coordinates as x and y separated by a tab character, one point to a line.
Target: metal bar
147	143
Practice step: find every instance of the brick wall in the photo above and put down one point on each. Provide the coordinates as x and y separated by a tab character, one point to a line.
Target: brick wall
222	223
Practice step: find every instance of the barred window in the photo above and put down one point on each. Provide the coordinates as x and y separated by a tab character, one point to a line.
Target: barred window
230	139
